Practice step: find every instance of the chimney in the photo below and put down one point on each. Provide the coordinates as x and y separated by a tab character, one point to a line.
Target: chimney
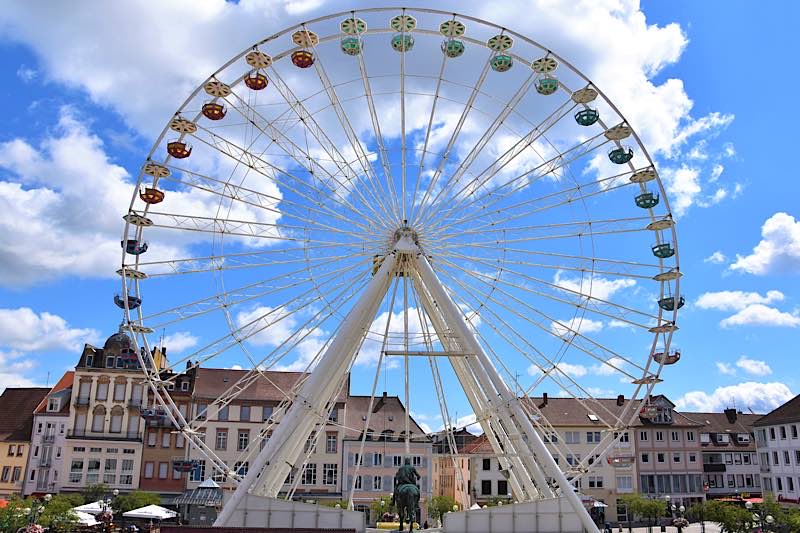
730	414
544	399
620	399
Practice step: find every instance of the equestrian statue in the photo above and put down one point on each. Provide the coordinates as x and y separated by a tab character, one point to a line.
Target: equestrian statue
406	493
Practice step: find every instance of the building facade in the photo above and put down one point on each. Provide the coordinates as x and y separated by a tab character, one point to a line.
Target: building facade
104	428
45	469
450	465
669	456
778	446
16	424
730	461
370	474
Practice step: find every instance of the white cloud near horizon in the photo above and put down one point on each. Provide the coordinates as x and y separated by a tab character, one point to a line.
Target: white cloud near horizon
760	397
778	251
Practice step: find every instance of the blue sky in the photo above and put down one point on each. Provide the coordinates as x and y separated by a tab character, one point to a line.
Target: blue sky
84	103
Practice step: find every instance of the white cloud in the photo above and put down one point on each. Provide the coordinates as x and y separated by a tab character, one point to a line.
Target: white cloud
683	186
26	73
25	330
716	172
179	341
570	369
761	315
609	368
716	258
565	328
760	397
736	300
594	286
754	366
725	368
12	367
778	250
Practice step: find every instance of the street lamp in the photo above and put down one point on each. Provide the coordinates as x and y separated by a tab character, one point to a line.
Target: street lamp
758	517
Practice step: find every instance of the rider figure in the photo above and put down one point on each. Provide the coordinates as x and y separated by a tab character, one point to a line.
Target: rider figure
406	475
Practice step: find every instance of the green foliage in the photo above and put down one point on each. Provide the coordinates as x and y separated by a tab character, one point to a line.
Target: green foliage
439	505
138	498
730	518
12	516
644	508
96	492
377	509
74	498
334	503
58	514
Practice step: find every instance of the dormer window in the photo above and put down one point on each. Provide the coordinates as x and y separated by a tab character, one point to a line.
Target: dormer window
53	405
89	360
110	361
664	416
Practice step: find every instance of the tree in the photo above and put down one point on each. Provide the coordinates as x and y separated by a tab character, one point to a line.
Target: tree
12	516
95	492
333	503
378	510
644	508
134	500
730	518
58	514
439	505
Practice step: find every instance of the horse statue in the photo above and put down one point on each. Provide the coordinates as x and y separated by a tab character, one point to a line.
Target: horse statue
406	493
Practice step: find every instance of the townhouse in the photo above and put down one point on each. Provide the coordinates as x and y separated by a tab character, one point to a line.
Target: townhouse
16	422
778	446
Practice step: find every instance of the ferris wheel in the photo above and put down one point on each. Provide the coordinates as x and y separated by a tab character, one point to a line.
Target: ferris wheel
415	194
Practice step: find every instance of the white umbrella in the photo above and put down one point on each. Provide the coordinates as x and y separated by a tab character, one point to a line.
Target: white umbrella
474	506
91	508
152	512
85	519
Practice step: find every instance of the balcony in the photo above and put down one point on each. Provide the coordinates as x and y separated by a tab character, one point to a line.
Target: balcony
134	436
44	462
82	400
713	467
49	438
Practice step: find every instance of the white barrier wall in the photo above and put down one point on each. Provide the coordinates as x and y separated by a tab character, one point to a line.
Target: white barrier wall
258	511
545	516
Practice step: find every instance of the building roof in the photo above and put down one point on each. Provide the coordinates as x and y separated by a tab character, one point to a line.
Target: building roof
788	412
64	383
211	383
16	412
388	414
573	412
730	422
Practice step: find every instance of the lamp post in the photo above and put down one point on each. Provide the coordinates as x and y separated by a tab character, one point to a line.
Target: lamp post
764	521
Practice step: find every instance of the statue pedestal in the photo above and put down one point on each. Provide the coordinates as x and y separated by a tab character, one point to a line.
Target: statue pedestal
554	515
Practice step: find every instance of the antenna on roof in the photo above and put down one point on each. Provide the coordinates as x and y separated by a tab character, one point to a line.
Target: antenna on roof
47	383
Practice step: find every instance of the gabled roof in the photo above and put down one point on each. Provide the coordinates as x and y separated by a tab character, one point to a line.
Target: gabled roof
270	385
788	412
16	412
715	423
388	413
573	412
64	383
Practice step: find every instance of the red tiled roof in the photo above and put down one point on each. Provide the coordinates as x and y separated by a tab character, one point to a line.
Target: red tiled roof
64	383
16	412
788	412
270	386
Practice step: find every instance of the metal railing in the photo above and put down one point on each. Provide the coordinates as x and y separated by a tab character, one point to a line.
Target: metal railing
101	435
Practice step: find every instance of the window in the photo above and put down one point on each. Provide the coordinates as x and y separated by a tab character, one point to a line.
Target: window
416	461
92	471
779	483
676	457
149	466
737	458
790	484
592	436
331	443
595	482
502	487
116	419
659	436
221	442
98	419
783	432
310	474
222	414
675	436
334	415
241	468
244	439
126	476
110	361
330	472
266	413
179	440
771	433
486	487
397	460
165	439
358	483
487	464
690	436
660	457
775	459
786	458
728	458
163	470
119	391
102	391
358	460
643	435
794	431
623	438
572	437
12	450
244	413
797	457
202	409
54	404
151	439
184	386
377	483
198	473
645	457
692	457
624	483
377	459
7	474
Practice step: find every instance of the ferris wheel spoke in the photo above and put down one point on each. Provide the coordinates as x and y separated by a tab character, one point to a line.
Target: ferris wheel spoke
524	143
303	158
313	128
443	159
578	193
561	326
551	365
270	171
234	297
449	245
585	299
470	158
548	167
